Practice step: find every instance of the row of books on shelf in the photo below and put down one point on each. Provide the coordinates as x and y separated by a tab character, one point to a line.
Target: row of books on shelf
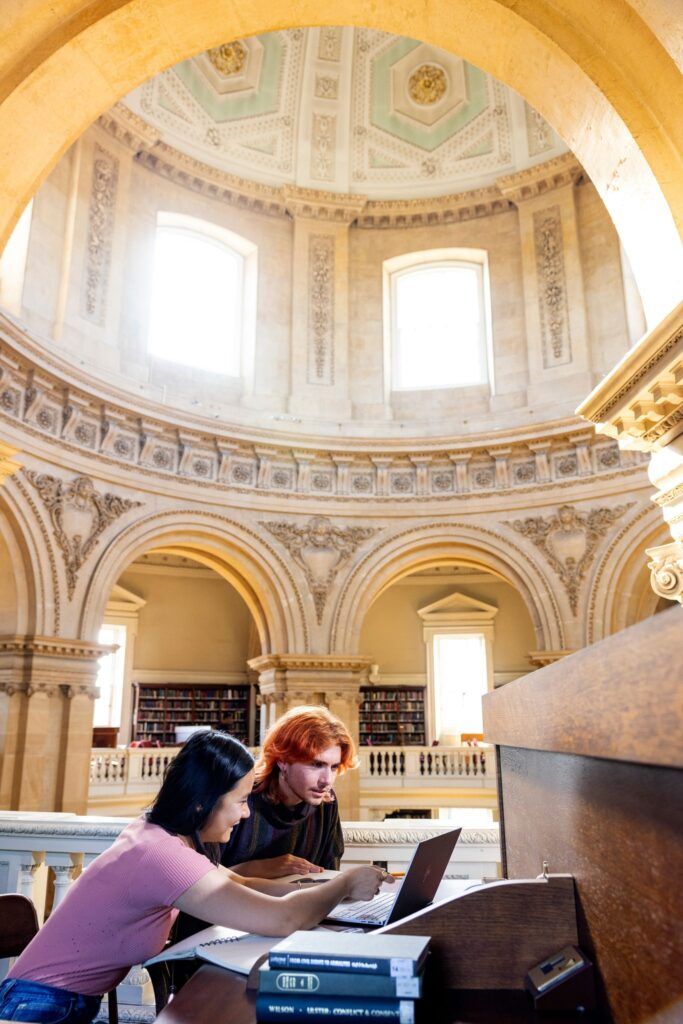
319	974
205	693
386	694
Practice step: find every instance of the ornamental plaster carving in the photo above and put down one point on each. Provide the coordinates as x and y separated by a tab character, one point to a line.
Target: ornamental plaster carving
427	84
56	591
569	540
552	287
329	47
228	59
540	136
321	309
79	515
356	834
666	570
320	549
100	229
323	147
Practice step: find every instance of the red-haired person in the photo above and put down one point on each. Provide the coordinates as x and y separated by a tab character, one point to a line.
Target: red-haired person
294	823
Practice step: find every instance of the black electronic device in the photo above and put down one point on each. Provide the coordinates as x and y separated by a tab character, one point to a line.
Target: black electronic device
562	982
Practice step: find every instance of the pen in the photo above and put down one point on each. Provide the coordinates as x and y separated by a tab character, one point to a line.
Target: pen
397	874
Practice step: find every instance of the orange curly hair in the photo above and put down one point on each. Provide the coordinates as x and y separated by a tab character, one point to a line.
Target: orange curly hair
298	736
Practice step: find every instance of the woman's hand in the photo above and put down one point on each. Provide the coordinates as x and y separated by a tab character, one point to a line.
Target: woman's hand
366	881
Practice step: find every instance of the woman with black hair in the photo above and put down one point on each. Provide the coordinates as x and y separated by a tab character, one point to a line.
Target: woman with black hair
120	910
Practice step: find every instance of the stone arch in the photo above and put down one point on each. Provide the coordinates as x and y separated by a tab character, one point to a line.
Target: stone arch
620	592
233	550
29	578
610	92
425	546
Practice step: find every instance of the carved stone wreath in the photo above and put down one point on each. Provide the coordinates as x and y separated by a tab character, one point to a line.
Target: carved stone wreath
320	549
79	514
427	84
569	539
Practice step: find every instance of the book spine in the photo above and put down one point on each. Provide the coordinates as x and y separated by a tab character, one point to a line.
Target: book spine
393	966
271	1008
330	983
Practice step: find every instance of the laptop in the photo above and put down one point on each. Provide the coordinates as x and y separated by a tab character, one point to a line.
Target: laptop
422	879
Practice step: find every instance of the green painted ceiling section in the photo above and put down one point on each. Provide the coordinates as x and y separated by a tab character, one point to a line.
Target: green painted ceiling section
427	138
231	107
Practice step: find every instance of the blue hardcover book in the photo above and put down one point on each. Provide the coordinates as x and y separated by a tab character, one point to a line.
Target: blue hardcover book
333	983
398	956
271	1008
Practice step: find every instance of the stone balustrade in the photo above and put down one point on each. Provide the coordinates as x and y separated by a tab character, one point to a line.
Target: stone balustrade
411	766
140	770
41	854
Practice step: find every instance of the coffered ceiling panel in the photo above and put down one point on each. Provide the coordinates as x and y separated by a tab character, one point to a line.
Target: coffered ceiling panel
351	110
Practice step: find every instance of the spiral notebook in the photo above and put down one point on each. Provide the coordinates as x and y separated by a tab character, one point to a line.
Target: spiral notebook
225	947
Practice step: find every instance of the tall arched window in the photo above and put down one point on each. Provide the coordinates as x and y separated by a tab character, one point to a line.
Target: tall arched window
203	295
437	320
13	262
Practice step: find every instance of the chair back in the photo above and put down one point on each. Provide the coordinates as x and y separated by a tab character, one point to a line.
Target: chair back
18	924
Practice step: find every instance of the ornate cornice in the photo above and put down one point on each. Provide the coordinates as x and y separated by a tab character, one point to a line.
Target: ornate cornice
640	403
54	647
69	410
539	180
542	658
310	663
132	131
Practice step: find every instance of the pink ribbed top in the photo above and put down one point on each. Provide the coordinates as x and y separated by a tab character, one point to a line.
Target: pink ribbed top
116	914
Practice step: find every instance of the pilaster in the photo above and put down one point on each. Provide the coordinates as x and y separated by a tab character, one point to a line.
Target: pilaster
290	680
47	689
555	309
320	301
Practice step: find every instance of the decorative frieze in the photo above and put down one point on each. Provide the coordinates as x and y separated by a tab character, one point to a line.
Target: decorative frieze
321	309
569	540
84	420
320	549
100	230
79	515
323	139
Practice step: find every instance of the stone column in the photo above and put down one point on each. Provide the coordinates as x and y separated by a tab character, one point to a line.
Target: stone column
640	403
555	308
47	689
320	302
327	679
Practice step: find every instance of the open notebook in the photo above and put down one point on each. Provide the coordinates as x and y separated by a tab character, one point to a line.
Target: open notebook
225	947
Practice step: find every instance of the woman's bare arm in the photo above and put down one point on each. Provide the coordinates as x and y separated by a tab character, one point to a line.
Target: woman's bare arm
275	867
223	900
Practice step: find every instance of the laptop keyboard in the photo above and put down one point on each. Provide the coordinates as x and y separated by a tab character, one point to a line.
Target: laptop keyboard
376	911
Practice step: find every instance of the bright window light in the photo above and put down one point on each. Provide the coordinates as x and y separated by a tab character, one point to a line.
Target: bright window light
460	681
13	262
197	300
110	678
467	817
438	326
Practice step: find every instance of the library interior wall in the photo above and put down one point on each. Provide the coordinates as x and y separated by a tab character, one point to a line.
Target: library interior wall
392	630
189	625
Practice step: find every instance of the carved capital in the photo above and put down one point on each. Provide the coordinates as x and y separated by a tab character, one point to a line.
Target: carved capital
666	570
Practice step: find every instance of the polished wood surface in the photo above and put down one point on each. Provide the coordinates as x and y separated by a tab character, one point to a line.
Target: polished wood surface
618	828
589	754
620	699
489	937
213	995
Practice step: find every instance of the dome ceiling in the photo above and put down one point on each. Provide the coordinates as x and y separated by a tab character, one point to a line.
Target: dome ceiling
348	110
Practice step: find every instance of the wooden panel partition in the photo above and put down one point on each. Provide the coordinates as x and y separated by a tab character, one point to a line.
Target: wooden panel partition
590	756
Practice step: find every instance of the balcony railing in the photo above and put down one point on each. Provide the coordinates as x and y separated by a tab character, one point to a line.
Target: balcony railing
414	765
140	770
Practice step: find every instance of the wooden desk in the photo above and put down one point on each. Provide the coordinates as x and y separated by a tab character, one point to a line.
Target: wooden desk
214	995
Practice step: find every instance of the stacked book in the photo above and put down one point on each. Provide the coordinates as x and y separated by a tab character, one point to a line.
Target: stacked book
342	975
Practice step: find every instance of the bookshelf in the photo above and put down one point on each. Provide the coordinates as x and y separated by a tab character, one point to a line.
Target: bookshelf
391	715
159	708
